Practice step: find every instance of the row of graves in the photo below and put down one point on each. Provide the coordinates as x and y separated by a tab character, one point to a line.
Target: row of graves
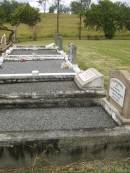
49	105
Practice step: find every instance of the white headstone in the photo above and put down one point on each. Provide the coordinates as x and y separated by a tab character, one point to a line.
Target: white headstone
117	91
90	78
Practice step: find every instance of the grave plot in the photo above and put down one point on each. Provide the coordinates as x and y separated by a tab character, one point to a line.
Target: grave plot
33	53
19	120
39	51
23	67
34	71
47	94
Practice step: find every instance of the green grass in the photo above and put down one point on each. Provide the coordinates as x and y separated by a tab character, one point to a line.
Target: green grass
40	165
105	55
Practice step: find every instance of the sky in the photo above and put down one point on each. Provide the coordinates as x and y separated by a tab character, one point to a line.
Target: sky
67	2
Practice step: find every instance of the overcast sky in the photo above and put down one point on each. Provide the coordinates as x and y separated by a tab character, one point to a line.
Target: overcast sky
67	2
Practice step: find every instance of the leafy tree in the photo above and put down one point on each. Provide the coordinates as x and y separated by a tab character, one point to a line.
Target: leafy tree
108	16
123	15
62	8
1	15
27	15
75	7
52	8
43	4
80	7
8	7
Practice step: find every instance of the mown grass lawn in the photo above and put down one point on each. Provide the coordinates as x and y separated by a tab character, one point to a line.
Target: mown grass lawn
104	55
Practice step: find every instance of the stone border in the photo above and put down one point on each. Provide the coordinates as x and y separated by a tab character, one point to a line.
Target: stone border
41	77
11	138
114	113
33	58
91	94
60	99
51	46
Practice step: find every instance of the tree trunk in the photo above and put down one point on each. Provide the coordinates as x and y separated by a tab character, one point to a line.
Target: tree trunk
34	33
80	27
58	14
10	40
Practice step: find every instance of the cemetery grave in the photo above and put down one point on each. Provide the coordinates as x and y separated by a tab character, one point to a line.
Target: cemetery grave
48	104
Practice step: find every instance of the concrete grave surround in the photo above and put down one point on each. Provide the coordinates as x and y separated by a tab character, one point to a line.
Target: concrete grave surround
119	92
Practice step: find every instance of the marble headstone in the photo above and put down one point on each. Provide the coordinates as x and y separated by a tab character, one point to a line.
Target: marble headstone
72	52
59	41
119	92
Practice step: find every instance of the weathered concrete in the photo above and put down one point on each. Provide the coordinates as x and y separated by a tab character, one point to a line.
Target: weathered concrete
42	77
54	119
47	94
34	52
64	146
45	88
47	66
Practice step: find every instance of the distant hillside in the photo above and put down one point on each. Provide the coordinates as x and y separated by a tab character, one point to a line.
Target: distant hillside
68	28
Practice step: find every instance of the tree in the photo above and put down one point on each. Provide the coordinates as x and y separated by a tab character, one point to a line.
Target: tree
75	7
107	16
80	7
52	8
43	4
58	15
27	15
62	8
8	7
123	15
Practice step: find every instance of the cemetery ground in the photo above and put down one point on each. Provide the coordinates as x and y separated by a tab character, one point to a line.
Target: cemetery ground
40	165
104	55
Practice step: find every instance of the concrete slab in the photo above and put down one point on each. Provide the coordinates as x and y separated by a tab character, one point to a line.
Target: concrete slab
41	88
46	66
54	119
34	52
